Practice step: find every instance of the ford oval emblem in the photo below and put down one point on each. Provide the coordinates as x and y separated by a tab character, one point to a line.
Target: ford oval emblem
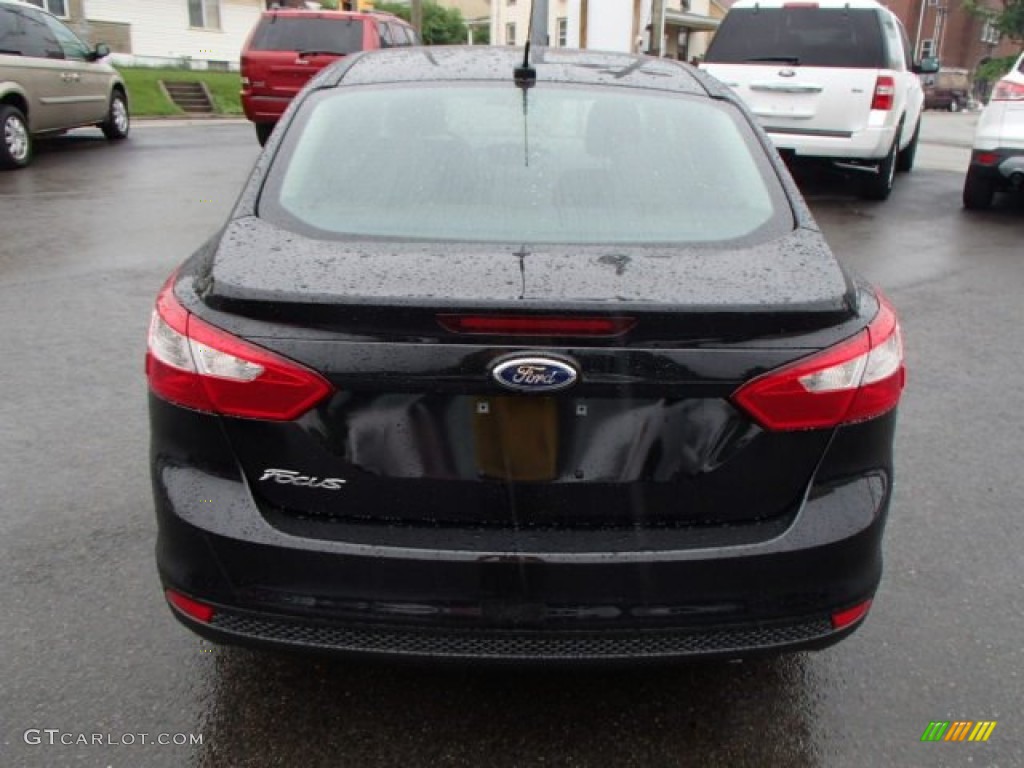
786	73
535	374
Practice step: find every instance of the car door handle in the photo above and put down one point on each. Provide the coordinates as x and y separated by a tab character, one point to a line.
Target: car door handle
70	77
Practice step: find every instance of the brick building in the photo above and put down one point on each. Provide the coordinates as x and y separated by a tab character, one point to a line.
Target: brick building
943	29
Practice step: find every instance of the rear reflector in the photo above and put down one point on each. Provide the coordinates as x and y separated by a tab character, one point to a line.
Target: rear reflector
986	158
885	91
1006	90
532	325
188	606
850	616
857	379
194	364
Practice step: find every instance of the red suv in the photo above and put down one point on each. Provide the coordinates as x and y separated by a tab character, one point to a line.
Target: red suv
287	47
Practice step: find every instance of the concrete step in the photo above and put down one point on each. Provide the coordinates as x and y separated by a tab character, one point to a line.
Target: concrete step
188	96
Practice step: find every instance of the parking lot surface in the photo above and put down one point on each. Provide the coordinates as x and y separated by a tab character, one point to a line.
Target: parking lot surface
88	649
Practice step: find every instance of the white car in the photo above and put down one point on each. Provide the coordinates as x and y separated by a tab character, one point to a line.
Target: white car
832	80
997	162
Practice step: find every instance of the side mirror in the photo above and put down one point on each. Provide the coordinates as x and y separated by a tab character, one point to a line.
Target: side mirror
927	66
101	51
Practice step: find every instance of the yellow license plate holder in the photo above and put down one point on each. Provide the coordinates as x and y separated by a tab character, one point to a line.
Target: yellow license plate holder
516	438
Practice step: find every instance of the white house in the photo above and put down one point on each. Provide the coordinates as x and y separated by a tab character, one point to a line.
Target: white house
160	32
612	25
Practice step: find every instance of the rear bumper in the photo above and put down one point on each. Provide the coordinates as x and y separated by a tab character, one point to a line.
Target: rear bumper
514	645
601	595
1006	170
264	109
870	144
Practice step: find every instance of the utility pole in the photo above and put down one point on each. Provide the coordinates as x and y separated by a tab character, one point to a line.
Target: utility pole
539	23
417	17
657	27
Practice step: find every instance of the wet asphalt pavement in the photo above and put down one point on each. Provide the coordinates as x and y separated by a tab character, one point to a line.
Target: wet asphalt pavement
87	646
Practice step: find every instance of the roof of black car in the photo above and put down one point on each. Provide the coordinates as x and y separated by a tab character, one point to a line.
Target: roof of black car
476	63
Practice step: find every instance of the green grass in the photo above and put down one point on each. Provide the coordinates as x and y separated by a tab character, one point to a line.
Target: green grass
147	99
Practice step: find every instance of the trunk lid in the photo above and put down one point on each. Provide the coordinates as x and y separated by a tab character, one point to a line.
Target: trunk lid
795	276
282	73
422	433
802	100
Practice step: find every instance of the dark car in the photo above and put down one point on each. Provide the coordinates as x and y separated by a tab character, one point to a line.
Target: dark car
557	366
948	89
287	47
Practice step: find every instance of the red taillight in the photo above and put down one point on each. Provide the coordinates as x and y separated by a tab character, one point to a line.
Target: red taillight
194	364
858	379
1007	90
527	325
850	616
188	606
986	158
885	91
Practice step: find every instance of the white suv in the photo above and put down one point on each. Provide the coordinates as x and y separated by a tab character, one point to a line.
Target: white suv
832	79
997	162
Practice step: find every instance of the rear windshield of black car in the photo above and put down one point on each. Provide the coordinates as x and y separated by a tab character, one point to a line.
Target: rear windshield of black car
570	164
811	37
287	33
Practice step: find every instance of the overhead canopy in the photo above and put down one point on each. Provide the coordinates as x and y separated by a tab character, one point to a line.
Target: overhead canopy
690	20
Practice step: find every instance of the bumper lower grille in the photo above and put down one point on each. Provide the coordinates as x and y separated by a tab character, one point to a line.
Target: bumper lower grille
513	644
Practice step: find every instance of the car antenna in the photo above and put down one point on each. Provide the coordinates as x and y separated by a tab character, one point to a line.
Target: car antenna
525	75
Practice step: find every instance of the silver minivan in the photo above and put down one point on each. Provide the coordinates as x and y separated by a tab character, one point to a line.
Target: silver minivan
50	82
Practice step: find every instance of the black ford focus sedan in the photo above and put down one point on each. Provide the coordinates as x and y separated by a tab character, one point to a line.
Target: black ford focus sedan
544	362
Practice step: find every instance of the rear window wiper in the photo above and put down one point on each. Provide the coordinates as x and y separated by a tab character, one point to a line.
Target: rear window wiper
780	59
318	52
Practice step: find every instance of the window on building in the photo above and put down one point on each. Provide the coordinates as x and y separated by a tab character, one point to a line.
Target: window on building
56	7
563	32
204	14
510	34
989	33
927	48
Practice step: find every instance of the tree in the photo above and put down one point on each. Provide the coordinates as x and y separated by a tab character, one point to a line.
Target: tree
441	26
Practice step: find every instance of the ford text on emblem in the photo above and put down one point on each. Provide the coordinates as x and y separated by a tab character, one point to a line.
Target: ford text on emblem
535	374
